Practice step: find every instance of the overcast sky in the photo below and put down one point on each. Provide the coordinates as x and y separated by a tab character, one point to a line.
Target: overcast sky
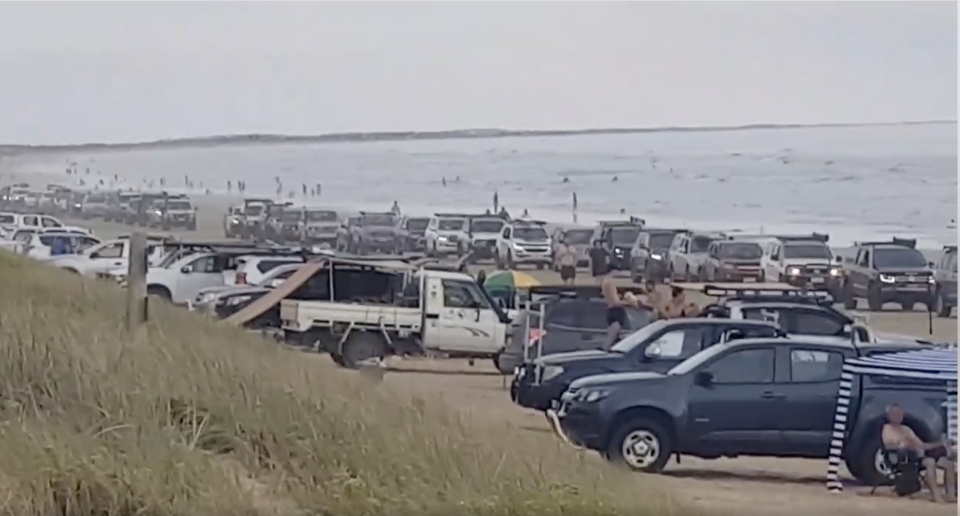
131	71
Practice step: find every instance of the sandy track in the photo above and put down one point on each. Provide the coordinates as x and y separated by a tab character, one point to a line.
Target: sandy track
758	486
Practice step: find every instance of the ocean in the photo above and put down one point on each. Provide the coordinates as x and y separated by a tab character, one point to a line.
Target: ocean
854	183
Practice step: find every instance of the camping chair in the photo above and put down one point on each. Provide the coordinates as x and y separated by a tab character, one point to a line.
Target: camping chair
904	473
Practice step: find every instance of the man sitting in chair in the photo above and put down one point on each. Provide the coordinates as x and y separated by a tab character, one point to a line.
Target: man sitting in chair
930	456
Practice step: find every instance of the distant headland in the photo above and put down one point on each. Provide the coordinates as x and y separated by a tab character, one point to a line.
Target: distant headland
360	137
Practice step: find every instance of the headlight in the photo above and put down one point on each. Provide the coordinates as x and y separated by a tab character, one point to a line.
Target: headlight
517	246
931	280
551	372
887	279
617	251
233	301
656	256
592	395
834	272
793	271
205	298
442	238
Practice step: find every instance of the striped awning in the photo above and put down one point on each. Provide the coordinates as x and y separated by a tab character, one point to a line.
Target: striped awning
924	364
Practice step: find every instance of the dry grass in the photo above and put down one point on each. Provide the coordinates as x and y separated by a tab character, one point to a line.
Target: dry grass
185	417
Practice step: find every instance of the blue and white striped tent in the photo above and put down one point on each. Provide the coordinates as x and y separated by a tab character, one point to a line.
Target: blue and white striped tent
925	364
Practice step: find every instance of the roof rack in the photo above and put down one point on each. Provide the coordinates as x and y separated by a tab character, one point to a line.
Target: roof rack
819	237
950	248
532	222
902	242
362	213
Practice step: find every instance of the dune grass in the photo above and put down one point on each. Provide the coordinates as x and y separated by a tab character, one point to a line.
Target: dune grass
186	417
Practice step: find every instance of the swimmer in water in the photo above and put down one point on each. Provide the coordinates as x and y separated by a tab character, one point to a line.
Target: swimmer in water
443	181
566	179
615	179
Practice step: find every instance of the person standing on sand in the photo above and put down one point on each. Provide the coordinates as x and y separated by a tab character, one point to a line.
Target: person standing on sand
304	186
496	201
616	307
229	187
567	261
598	260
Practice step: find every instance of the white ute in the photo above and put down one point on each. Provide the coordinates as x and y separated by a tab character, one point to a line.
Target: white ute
420	311
106	256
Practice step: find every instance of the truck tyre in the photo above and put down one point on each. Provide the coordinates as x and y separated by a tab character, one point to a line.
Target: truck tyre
940	305
362	345
849	300
641	445
498	261
867	464
510	264
873	298
907	306
159	291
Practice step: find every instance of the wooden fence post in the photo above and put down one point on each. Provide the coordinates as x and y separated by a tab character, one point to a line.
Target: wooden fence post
137	281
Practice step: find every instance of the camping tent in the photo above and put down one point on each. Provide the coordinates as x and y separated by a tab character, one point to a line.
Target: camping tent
926	364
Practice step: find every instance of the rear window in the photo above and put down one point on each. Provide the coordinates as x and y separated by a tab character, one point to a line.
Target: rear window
577	236
269	265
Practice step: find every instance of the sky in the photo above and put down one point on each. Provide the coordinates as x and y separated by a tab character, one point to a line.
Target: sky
133	71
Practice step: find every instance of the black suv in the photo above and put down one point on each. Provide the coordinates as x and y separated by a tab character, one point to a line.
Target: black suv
752	397
575	319
946	277
658	347
883	272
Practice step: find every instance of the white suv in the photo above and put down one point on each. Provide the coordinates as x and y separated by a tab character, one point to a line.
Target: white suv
252	269
524	242
447	235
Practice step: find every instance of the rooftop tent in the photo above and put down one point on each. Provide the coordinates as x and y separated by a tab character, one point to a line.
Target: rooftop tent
924	364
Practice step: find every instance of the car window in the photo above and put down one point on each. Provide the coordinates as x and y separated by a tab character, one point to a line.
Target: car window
681	343
772	315
203	265
564	313
810	322
592	315
865	259
462	294
30	221
47	222
110	251
7	219
269	265
744	366
814	366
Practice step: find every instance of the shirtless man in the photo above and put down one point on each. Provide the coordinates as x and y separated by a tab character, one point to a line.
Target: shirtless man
616	307
678	306
898	436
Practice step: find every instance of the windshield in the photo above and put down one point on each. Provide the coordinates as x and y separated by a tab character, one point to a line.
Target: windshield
487	226
179	205
624	236
417	224
451	224
291	216
660	240
376	219
253	210
96	198
819	251
322	216
700	244
577	236
529	233
642	335
740	251
697	360
898	257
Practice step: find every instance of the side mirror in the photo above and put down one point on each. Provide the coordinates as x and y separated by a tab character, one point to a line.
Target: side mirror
703	379
186	269
930	264
652	352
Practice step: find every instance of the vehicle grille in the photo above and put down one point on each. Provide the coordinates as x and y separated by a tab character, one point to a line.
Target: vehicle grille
535	249
816	270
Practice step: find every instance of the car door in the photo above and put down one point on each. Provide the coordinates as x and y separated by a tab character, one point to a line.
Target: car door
858	273
671	347
198	273
678	256
108	256
773	268
808	378
50	222
467	322
31	221
732	413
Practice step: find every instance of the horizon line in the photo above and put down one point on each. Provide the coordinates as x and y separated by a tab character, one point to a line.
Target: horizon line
449	134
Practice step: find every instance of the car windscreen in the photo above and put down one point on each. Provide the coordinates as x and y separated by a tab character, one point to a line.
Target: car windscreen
322	216
178	205
487	226
897	258
577	236
810	251
291	216
624	236
740	251
95	199
661	240
451	224
376	219
631	341
253	210
529	233
700	244
417	224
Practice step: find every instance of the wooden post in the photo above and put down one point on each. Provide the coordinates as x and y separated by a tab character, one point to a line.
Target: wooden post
137	281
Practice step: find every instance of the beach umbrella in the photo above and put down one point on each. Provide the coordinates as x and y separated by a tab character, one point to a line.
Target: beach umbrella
509	280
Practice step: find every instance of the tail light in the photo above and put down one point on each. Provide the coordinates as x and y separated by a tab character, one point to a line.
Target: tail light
241	278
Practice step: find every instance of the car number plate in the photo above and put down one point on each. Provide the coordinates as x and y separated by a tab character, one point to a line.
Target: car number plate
816	280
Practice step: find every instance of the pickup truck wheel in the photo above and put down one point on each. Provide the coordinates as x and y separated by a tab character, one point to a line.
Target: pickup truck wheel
907	306
868	466
940	306
849	300
362	345
159	291
873	298
337	359
641	445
